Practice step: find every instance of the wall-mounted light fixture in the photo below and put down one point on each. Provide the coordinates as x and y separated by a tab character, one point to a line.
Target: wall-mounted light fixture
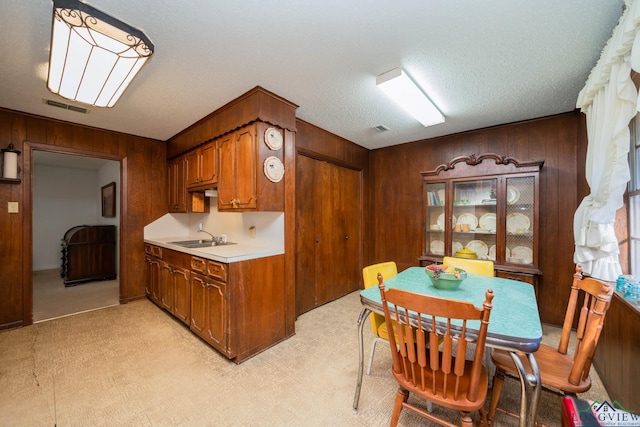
93	56
397	84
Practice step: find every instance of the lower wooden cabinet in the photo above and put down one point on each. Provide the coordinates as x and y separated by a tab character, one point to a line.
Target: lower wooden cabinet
237	308
209	313
168	281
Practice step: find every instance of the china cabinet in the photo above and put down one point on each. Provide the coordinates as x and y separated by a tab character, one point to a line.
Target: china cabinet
486	206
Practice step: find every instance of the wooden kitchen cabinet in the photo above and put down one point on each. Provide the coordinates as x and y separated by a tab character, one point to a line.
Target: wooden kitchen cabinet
209	318
488	204
180	200
243	184
168	281
201	169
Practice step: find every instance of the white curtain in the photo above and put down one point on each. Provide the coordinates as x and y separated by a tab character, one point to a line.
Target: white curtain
609	100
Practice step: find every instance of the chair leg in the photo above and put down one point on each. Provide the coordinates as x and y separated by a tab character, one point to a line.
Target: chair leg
401	397
498	382
465	419
373	350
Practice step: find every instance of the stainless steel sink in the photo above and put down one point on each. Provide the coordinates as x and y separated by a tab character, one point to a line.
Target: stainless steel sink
199	243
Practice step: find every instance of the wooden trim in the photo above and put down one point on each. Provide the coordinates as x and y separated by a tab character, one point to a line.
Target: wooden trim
474	160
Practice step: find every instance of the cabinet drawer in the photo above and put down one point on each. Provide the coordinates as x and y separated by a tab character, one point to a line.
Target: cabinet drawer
199	265
152	250
217	270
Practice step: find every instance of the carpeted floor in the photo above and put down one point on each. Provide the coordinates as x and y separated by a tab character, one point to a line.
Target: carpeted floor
52	299
134	365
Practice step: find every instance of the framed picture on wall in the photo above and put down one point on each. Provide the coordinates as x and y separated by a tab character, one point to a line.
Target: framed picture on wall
109	200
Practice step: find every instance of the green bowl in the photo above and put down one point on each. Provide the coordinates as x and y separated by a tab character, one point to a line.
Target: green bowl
447	281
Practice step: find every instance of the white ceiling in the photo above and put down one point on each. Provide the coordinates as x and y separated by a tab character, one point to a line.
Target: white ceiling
483	63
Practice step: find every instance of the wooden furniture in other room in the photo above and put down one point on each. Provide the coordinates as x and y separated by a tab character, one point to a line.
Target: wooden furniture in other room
88	254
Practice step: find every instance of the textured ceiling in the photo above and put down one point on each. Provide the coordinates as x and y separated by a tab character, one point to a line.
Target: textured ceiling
483	63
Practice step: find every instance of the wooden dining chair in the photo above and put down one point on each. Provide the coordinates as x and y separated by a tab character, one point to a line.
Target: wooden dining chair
443	377
561	372
378	324
474	266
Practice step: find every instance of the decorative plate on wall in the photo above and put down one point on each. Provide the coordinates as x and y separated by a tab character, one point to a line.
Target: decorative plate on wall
273	138
273	169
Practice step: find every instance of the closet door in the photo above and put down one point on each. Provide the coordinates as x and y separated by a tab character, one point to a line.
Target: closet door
328	236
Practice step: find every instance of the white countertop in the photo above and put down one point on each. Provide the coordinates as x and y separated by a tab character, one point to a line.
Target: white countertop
223	253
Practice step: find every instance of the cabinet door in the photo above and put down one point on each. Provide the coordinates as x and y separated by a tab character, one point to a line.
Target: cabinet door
192	159
177	186
226	174
208	168
198	305
237	154
246	168
216	314
153	277
521	226
182	294
166	291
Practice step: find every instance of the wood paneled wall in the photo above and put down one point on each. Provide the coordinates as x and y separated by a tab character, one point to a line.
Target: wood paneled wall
143	199
395	188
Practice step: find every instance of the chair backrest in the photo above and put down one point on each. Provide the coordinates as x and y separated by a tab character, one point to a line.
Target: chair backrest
596	297
370	276
419	322
473	266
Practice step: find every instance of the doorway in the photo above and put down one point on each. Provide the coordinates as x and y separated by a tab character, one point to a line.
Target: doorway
66	192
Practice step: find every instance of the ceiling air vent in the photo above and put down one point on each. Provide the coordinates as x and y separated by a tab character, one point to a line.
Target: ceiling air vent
381	128
66	106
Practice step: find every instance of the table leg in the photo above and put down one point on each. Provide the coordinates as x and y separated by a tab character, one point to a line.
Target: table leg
361	320
536	382
524	389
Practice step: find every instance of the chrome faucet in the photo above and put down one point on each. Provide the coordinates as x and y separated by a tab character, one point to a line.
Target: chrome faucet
213	238
218	240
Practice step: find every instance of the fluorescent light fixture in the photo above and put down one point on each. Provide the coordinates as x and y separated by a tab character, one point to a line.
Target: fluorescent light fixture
93	56
409	96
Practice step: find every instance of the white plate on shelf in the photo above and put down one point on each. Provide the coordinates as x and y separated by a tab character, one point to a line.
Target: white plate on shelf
488	222
492	253
517	223
440	221
523	253
468	218
513	195
437	247
457	246
479	247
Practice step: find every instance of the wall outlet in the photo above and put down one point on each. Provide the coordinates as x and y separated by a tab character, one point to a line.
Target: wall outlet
252	231
12	207
200	226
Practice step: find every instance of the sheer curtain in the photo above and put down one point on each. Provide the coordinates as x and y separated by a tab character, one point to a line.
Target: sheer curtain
609	100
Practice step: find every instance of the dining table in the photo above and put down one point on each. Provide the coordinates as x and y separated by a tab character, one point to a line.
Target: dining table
514	324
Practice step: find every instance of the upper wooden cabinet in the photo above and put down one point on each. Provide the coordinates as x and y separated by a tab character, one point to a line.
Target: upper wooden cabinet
177	185
180	200
488	204
202	170
245	181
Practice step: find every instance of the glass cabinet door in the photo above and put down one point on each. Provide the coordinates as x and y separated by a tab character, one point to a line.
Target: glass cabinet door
519	220
474	219
436	220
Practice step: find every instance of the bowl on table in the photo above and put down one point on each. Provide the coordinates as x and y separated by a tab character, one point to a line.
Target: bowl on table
444	278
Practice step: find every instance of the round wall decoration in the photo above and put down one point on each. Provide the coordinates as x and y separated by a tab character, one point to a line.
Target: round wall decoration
273	138
273	169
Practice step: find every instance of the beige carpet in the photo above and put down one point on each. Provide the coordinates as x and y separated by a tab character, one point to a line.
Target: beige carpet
52	299
133	365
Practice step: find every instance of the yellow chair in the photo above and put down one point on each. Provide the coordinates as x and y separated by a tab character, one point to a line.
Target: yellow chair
473	266
378	325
